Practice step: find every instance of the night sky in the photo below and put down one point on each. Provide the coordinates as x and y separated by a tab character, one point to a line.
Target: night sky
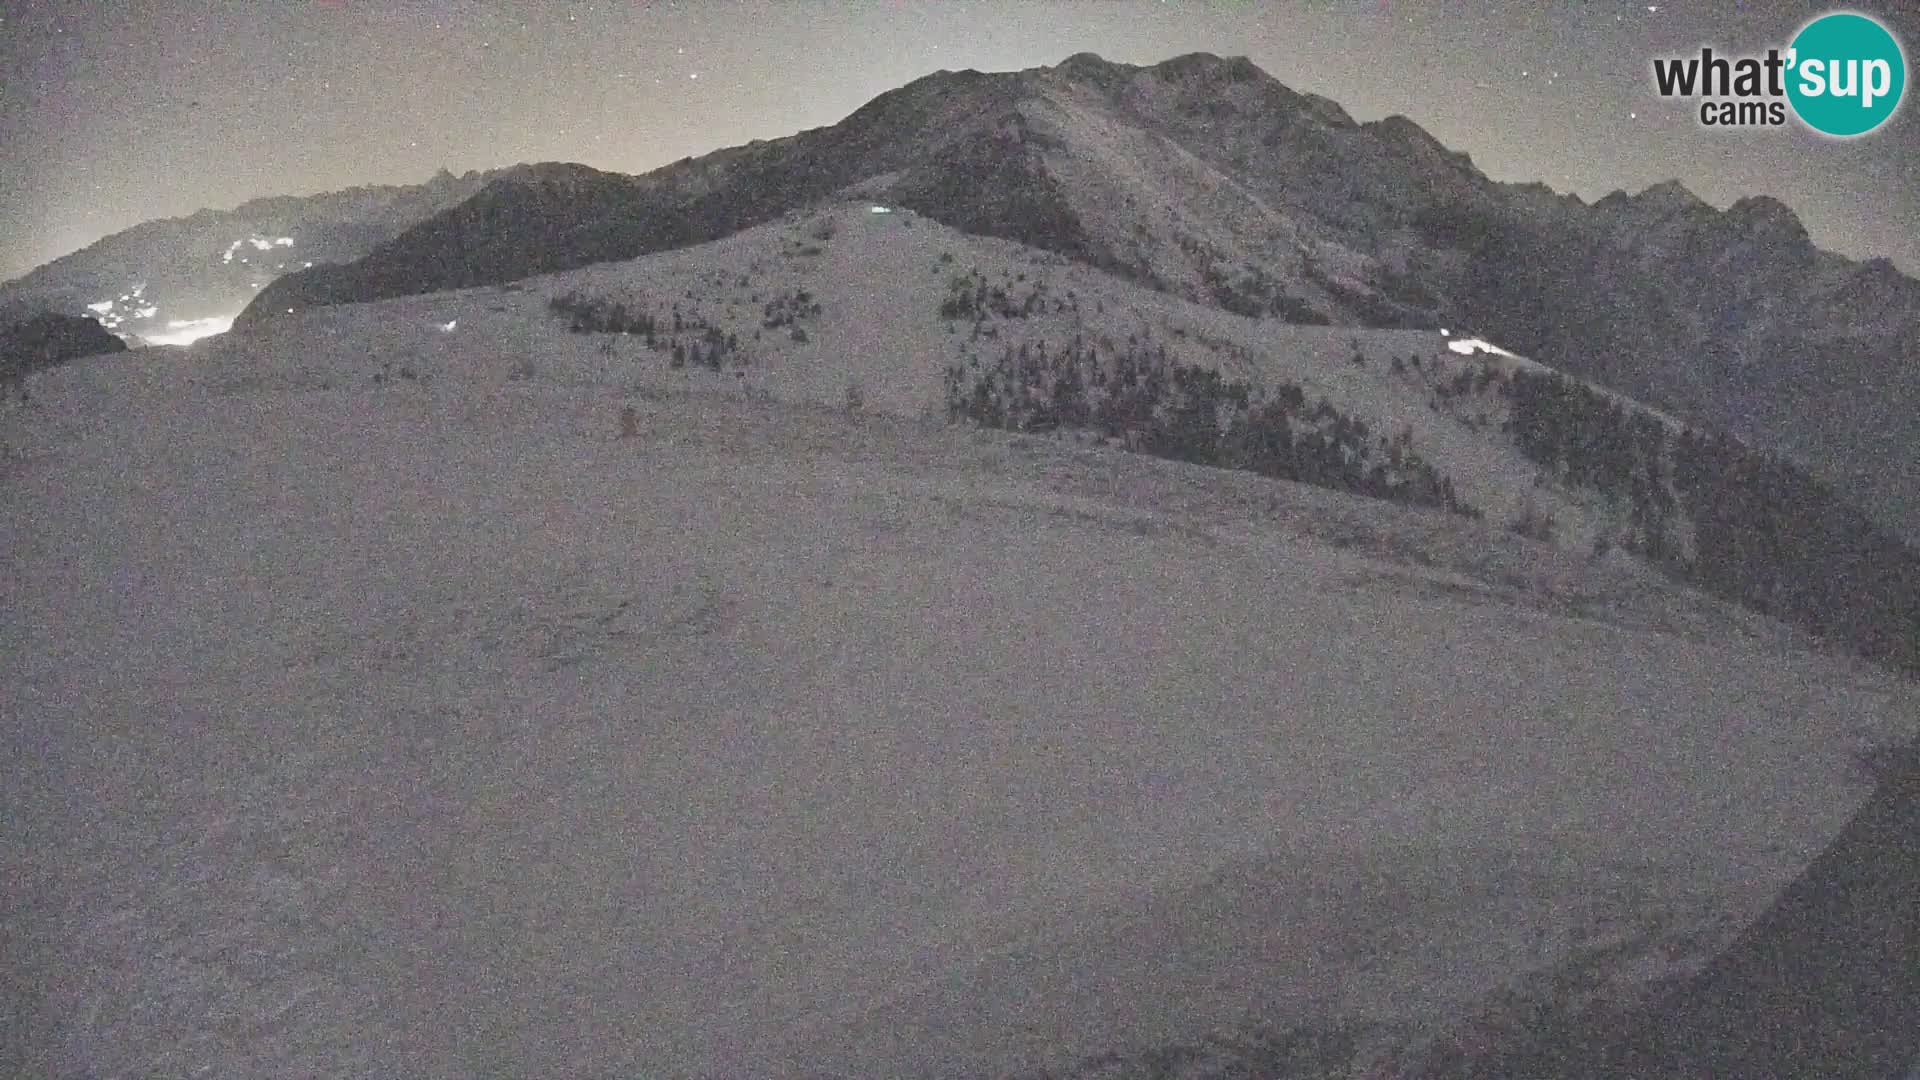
111	114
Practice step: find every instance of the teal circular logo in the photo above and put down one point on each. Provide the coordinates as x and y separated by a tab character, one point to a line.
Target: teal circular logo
1845	74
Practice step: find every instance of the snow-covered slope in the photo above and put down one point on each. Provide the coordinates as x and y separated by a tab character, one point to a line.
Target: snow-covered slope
420	688
879	280
1208	178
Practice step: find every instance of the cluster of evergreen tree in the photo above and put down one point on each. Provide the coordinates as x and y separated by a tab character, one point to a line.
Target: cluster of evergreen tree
970	297
1771	536
706	347
1255	295
688	341
1767	535
1189	413
789	308
1587	439
591	316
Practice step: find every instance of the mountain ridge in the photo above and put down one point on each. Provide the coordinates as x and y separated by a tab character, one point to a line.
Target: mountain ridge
1206	177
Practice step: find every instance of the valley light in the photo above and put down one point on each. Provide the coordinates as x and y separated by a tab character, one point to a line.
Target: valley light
102	307
188	331
447	327
880	210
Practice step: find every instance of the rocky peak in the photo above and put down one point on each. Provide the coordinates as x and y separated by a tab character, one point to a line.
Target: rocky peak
1670	197
1092	68
1422	146
1204	67
1768	218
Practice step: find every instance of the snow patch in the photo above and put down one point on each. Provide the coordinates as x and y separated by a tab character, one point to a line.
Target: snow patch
1470	346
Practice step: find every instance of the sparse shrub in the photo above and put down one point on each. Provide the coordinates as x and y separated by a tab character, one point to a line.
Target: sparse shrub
856	400
799	333
629	422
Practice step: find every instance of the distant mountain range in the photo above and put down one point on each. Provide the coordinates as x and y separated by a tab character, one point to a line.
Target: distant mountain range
179	278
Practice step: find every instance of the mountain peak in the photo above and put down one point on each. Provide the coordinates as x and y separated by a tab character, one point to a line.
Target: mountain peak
1206	65
1088	61
1670	195
1767	215
1403	132
1093	68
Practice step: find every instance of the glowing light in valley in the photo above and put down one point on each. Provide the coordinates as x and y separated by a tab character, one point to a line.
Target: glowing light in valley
258	243
447	327
188	331
101	308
